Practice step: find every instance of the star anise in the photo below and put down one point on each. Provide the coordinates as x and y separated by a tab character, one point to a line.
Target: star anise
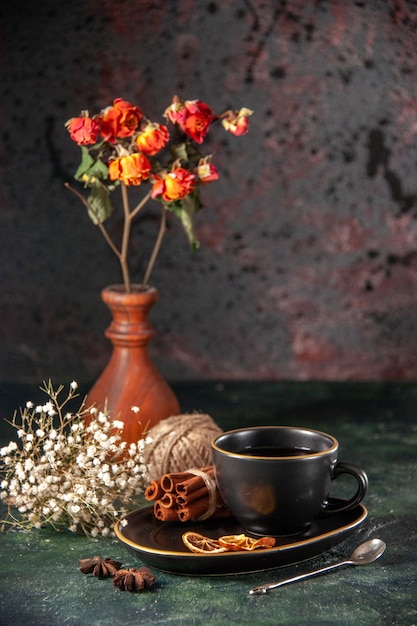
102	568
134	579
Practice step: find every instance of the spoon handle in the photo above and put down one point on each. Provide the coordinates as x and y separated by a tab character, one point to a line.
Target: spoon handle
261	589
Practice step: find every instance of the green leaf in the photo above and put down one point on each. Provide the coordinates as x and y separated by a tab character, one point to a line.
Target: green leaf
90	168
100	202
186	152
179	151
185	209
86	162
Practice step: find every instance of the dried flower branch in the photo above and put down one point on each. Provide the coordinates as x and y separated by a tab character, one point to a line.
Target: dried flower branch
122	147
68	474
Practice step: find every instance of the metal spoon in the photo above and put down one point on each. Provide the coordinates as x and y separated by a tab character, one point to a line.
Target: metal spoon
365	553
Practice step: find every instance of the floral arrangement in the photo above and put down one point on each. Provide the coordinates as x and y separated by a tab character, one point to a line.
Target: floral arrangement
66	473
121	147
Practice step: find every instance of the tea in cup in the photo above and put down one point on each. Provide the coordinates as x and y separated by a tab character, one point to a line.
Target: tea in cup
276	480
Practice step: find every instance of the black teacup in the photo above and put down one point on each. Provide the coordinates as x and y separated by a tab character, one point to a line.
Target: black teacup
276	479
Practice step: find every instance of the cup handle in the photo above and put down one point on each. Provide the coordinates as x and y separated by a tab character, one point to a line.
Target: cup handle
361	477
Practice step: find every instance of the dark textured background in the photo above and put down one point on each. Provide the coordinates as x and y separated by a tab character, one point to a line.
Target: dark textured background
308	265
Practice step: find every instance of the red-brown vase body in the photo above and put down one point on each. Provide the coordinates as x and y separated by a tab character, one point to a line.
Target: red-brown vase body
130	378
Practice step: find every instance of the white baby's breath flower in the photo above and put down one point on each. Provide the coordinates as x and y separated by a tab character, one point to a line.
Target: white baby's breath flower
91	451
80	459
135	409
74	385
28	465
69	473
100	436
102	418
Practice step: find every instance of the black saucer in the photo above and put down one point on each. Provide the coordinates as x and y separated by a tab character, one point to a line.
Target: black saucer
159	544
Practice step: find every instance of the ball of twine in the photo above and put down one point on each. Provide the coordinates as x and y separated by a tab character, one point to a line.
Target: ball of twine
179	443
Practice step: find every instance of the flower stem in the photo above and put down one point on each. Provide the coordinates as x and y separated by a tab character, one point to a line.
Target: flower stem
156	248
125	239
99	224
141	204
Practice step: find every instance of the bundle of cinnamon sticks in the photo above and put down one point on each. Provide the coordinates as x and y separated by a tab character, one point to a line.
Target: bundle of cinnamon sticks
186	496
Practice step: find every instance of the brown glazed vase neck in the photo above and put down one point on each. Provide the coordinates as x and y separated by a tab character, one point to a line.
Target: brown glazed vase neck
130	311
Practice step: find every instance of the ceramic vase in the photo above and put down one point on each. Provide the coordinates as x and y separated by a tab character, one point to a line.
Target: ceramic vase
130	379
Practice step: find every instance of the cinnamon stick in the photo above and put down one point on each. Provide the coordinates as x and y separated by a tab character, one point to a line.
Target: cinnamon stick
183	500
164	514
154	491
195	511
188	514
168	501
193	482
169	481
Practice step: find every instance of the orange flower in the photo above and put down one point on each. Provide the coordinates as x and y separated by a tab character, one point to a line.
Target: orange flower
83	130
206	171
120	120
175	185
131	169
236	122
153	138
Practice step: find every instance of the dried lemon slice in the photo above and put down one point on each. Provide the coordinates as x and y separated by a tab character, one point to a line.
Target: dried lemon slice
201	544
227	543
243	542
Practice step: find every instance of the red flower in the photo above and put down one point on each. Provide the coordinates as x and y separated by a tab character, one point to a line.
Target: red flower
83	130
176	112
198	119
120	120
192	116
237	122
206	171
175	185
130	170
153	138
